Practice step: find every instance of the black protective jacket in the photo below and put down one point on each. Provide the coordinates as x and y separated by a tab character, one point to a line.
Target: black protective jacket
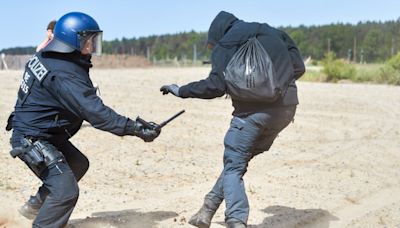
56	96
227	34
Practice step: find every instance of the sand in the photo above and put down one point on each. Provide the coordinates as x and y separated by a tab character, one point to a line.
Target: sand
337	165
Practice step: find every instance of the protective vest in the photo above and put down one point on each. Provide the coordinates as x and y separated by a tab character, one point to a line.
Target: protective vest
38	112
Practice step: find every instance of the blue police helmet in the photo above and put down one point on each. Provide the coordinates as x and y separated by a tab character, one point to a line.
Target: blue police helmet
73	31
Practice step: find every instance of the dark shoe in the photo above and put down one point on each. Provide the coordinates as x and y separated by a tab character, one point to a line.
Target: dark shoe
202	218
235	224
31	208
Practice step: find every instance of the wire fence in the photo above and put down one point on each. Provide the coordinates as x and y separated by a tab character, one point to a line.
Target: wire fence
13	62
17	62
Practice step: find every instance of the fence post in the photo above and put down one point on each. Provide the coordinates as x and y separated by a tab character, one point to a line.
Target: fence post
148	53
3	60
194	54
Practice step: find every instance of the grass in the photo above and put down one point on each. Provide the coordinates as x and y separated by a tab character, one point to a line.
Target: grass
365	73
313	76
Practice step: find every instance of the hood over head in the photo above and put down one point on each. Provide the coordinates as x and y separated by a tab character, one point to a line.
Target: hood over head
219	26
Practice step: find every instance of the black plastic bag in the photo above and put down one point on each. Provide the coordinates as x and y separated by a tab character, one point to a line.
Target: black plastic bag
250	74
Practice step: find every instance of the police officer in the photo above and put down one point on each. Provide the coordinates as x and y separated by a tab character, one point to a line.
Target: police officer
254	125
55	97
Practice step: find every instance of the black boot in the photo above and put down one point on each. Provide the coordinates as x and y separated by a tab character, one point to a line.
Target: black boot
235	224
31	208
202	218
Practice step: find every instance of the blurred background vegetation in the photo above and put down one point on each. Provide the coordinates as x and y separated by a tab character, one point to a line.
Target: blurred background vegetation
363	52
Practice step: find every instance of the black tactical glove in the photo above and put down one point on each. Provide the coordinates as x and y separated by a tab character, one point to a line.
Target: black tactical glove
174	89
148	134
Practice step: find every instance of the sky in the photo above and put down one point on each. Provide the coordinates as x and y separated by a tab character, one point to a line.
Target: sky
23	23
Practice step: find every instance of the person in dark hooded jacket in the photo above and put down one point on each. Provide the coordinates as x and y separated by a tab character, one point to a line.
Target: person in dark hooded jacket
254	125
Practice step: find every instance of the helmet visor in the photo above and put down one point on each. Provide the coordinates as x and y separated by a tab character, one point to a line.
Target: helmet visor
90	42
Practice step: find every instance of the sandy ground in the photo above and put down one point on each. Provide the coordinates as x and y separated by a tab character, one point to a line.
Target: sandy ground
338	165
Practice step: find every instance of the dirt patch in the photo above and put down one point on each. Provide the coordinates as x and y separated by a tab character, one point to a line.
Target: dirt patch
336	166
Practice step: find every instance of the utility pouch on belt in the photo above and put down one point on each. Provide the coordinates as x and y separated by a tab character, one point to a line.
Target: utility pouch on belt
37	153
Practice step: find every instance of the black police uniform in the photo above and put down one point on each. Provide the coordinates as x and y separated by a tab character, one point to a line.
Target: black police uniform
56	95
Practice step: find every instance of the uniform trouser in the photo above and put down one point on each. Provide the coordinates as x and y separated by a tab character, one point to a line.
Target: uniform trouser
60	188
245	138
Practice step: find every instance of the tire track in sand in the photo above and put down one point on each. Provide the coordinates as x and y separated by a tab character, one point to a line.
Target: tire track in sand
372	203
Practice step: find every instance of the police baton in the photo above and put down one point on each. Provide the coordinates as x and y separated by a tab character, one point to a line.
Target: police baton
158	127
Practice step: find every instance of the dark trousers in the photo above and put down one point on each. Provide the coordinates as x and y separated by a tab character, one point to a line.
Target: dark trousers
246	137
60	190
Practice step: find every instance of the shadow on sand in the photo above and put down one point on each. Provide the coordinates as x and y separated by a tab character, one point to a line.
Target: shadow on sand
287	217
122	219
